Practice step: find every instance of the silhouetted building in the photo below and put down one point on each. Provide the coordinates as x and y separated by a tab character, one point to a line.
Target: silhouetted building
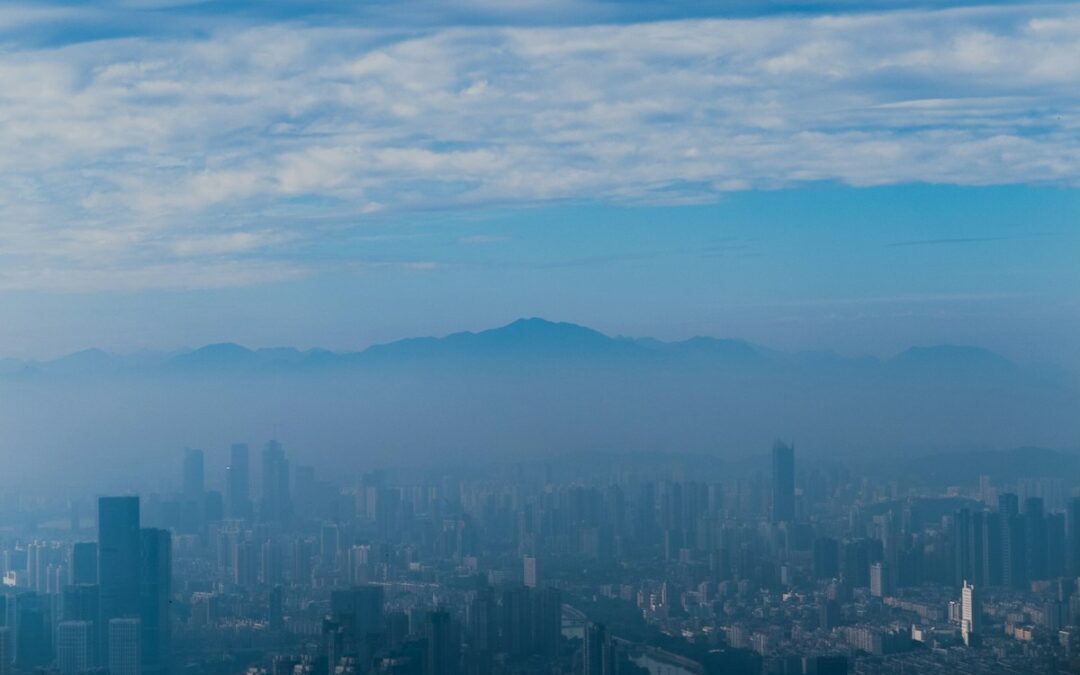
33	632
1035	549
155	589
275	503
194	475
238	482
596	651
118	560
783	483
1013	543
84	563
443	652
1073	536
826	562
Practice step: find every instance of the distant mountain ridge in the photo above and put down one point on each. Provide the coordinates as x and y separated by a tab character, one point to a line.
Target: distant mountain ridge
530	389
523	339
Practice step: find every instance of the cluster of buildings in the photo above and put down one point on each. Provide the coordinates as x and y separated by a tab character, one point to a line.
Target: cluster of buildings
618	567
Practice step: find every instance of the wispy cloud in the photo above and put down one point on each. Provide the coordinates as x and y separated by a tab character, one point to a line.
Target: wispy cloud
953	241
231	144
480	239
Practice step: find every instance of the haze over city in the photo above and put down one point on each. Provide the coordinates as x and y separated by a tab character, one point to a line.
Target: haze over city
577	337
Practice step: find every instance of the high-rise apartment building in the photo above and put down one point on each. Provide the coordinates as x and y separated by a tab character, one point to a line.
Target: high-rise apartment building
530	571
74	646
125	640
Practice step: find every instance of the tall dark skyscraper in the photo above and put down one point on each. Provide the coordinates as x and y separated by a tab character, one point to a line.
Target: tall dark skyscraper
1072	526
84	563
595	652
238	482
443	651
194	475
783	483
155	576
1013	542
274	505
118	558
1035	538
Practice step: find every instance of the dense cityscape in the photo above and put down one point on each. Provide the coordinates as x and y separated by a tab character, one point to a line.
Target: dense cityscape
539	337
608	566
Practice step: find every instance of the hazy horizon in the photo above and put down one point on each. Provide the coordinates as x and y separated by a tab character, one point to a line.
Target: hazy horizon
539	337
318	347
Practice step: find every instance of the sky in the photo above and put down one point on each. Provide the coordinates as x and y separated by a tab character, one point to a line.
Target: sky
806	175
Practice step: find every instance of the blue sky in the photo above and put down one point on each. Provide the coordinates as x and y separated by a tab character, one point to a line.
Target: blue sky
804	175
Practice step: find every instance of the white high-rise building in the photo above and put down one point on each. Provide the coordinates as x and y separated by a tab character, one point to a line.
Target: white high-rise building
530	572
125	656
881	585
970	614
73	645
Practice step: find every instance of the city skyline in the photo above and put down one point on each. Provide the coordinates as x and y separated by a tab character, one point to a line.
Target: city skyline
858	572
539	337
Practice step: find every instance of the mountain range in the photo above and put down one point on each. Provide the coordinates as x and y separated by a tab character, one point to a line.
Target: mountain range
525	341
527	390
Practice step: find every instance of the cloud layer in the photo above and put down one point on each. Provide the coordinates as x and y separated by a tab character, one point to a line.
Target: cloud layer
222	158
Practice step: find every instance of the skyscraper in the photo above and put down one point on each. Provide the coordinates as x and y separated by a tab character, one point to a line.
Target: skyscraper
595	652
1072	526
546	621
970	614
881	584
118	559
5	650
33	632
826	560
1035	538
194	474
238	482
274	504
74	645
84	563
530	571
124	647
443	653
1013	558
81	603
155	588
783	483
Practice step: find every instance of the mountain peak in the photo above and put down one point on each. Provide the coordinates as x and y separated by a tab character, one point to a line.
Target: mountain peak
217	355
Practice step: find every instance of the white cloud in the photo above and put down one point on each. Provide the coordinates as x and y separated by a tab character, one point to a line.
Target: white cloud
140	155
